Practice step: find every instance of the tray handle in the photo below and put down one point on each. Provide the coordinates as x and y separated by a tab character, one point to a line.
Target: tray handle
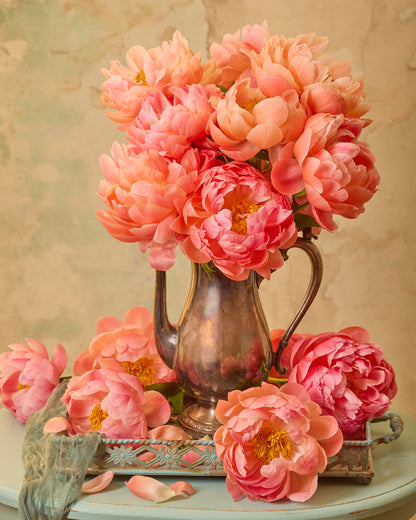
396	426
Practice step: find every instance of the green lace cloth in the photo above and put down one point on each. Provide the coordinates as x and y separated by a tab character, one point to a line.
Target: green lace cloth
54	471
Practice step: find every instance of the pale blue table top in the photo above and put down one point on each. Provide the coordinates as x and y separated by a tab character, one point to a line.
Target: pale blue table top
393	486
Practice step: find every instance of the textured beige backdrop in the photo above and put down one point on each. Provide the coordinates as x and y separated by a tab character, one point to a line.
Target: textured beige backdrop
60	271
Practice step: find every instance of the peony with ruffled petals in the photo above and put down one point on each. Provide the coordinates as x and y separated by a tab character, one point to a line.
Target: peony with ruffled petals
142	194
114	403
130	344
237	221
273	442
245	121
345	374
28	376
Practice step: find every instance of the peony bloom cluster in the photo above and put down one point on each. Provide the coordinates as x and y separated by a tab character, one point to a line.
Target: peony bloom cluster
28	377
273	442
277	105
344	373
127	346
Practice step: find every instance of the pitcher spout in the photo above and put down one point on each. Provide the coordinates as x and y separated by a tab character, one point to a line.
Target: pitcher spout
166	334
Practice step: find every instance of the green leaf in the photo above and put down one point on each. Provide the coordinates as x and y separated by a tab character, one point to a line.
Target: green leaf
223	89
176	402
208	270
305	221
300	193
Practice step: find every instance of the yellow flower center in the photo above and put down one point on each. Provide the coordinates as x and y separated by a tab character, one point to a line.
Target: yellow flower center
269	444
141	368
251	103
141	78
22	387
97	416
240	209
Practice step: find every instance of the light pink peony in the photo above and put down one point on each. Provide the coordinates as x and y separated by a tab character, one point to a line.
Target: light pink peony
274	442
142	194
245	121
28	377
129	343
237	221
113	403
345	374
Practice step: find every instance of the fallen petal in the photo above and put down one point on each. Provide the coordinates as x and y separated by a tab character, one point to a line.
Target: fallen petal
57	425
182	488
98	483
150	489
168	432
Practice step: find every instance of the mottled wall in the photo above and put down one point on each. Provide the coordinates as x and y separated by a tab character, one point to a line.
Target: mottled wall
60	271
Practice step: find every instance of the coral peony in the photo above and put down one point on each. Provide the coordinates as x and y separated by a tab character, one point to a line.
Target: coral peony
142	194
273	442
113	403
345	374
130	343
27	377
236	220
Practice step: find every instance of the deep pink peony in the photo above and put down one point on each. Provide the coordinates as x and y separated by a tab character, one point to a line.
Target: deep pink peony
237	221
142	194
113	403
345	374
28	377
130	344
274	442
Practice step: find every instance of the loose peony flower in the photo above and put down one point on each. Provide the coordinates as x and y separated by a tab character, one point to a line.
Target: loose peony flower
28	377
273	442
142	194
113	403
130	343
345	374
237	221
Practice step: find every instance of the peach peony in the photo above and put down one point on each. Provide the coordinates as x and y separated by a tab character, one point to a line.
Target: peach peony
273	442
236	220
345	374
142	194
28	377
130	344
245	121
113	403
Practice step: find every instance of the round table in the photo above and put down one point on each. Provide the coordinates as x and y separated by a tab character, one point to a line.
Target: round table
391	494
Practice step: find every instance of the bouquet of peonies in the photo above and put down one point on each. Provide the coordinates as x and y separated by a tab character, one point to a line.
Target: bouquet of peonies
232	157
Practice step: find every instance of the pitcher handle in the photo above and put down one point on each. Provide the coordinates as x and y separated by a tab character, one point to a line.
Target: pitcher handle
316	277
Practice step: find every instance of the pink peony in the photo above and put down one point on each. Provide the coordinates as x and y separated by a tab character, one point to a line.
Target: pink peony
130	344
345	374
274	442
236	220
142	194
113	403
28	377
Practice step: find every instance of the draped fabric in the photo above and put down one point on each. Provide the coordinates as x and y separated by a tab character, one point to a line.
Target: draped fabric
55	466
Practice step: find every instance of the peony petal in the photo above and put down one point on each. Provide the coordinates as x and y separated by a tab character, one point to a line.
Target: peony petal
57	425
182	488
156	409
59	358
98	483
150	489
168	432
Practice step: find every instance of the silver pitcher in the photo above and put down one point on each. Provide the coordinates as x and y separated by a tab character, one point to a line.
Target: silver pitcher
222	342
